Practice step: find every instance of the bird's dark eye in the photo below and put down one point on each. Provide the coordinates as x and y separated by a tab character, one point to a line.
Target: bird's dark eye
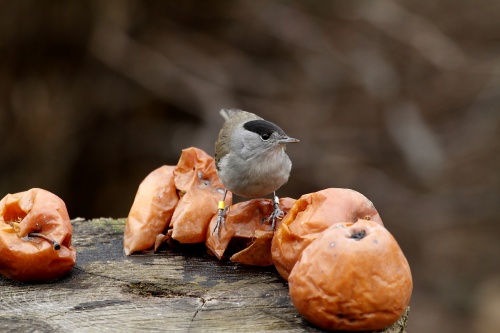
265	136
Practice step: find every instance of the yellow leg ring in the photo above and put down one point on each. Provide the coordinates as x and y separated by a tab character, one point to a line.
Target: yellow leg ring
222	205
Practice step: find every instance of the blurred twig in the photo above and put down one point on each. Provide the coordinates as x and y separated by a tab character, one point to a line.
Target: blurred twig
407	27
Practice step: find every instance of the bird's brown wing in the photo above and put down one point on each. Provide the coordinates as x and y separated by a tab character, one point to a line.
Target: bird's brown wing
221	146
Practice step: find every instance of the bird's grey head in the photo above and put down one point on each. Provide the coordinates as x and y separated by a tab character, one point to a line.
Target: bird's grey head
260	136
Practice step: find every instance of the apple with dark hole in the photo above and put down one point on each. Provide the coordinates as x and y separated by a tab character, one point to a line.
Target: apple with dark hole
353	277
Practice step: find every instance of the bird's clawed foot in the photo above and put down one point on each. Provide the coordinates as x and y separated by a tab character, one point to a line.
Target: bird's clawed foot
277	212
221	218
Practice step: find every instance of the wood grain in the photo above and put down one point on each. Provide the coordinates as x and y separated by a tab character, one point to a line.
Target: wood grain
185	290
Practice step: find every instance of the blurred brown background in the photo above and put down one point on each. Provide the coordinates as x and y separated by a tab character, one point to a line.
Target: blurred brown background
397	100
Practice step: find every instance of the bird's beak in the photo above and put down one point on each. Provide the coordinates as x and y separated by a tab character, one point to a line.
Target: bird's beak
287	139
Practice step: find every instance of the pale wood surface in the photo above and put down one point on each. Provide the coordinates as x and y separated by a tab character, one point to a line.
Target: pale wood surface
184	290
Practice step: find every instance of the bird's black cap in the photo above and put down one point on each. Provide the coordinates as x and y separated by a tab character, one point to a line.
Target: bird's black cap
263	127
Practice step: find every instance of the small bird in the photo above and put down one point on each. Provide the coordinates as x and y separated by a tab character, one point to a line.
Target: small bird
250	159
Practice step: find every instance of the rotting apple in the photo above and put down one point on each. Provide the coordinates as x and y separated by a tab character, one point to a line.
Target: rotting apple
35	236
353	277
313	213
151	211
200	190
247	231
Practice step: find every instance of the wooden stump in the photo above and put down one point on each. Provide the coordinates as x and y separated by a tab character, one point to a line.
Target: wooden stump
185	290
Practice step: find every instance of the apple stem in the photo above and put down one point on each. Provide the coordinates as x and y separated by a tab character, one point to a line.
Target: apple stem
56	244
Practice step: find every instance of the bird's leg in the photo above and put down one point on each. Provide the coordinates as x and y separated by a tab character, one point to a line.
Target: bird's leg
277	212
221	215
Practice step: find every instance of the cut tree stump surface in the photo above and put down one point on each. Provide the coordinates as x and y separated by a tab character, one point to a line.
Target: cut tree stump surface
181	290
